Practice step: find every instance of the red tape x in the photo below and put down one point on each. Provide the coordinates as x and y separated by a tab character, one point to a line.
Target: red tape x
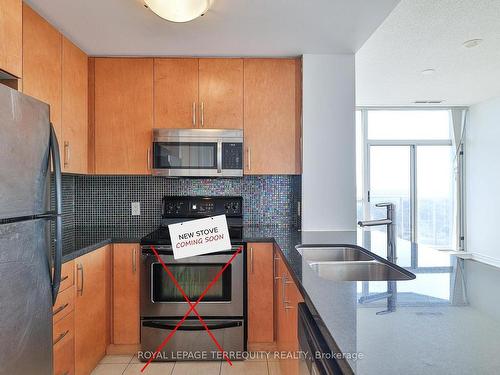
192	307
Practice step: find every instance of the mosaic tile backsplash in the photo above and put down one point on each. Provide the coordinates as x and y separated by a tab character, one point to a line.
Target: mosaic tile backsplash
106	200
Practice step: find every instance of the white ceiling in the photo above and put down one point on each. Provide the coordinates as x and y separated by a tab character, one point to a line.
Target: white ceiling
231	27
422	34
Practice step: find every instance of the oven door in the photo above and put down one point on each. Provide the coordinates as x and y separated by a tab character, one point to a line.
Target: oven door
160	297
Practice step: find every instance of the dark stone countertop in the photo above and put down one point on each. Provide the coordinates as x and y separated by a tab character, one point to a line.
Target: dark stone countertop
447	320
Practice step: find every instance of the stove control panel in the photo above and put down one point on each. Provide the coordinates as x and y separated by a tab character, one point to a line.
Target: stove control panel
179	207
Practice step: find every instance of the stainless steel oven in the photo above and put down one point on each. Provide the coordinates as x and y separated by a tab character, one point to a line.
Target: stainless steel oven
160	297
191	341
198	152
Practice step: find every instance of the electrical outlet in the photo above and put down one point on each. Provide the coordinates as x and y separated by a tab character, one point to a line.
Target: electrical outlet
136	208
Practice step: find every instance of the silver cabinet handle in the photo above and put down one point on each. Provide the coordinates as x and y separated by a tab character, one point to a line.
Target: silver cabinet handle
194	114
79	267
60	337
202	114
66	153
288	307
149	158
275	260
283	285
59	309
251	259
134	260
249	157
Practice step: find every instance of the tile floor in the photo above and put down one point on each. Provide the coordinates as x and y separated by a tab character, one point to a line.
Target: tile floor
130	365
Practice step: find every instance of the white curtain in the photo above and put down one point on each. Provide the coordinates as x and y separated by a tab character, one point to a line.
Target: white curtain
458	118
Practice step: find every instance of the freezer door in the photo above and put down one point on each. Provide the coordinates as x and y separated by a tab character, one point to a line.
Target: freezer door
25	299
24	152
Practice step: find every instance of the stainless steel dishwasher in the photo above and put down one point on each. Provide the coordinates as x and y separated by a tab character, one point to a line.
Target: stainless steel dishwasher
313	345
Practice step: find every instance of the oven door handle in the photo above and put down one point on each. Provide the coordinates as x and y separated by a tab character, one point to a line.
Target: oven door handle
191	328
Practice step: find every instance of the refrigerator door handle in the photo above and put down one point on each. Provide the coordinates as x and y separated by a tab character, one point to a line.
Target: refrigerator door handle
56	162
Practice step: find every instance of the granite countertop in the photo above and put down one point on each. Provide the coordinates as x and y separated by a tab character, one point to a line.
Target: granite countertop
447	319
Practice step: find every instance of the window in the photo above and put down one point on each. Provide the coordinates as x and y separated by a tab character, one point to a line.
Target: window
406	157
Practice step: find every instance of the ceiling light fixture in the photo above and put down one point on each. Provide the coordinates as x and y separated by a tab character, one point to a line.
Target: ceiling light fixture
179	10
428	72
472	43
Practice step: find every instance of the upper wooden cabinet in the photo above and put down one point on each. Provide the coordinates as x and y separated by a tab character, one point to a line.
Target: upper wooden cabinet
11	36
272	112
42	63
123	115
260	295
205	93
221	93
175	93
73	142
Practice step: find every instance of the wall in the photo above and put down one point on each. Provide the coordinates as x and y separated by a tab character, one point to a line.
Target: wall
482	153
329	167
106	200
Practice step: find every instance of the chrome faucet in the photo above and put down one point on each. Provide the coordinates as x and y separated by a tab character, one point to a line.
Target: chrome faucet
391	293
391	230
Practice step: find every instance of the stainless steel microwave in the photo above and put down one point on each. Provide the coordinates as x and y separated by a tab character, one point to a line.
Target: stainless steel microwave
198	152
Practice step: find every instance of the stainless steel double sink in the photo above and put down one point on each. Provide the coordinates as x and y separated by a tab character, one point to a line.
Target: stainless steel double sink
350	263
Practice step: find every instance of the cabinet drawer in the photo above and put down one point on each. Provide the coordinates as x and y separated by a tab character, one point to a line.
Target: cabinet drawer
64	352
67	275
65	304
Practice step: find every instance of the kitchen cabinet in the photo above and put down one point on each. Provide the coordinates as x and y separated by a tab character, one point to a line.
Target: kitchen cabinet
11	36
73	142
64	345
42	63
63	317
272	116
123	117
126	294
221	93
198	93
175	93
260	295
90	310
288	298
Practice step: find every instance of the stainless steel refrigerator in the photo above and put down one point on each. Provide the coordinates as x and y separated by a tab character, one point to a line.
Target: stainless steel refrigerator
30	267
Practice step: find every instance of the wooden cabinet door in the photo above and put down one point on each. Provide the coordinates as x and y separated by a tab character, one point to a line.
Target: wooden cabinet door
90	310
11	36
175	93
272	116
126	294
123	115
42	52
260	293
74	109
221	93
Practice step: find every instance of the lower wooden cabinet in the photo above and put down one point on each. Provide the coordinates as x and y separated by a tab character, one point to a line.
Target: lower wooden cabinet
90	310
288	298
64	345
63	316
126	294
260	295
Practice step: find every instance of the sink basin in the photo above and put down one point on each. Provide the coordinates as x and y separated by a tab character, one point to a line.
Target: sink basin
372	270
332	254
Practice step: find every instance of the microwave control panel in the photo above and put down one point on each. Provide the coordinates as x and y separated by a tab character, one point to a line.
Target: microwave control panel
232	155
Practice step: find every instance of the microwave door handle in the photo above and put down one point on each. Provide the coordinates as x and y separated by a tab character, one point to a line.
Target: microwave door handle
171	327
219	156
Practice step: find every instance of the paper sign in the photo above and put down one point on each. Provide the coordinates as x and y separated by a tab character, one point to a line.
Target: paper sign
202	236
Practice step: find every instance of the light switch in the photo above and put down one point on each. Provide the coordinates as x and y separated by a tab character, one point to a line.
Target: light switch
136	208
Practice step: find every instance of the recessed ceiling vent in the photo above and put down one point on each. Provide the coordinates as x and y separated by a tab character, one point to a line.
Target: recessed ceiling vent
427	101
